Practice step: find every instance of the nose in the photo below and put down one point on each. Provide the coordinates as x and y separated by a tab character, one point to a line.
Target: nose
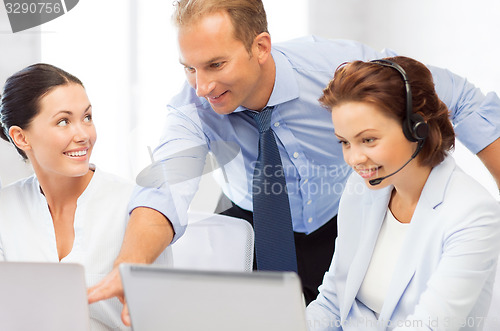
204	84
354	156
81	133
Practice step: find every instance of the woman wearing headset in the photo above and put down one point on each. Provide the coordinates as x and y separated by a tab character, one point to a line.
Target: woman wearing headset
418	239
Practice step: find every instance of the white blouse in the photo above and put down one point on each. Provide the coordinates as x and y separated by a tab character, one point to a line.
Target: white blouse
378	276
27	233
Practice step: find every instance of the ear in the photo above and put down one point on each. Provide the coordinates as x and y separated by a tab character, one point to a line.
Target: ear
19	138
262	47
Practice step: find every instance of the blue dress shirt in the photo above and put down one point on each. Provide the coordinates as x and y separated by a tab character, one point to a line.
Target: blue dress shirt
312	157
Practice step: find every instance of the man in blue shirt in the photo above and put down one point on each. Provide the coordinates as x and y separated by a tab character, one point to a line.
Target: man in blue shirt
231	67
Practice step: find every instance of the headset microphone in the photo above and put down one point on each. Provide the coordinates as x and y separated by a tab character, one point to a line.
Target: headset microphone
377	181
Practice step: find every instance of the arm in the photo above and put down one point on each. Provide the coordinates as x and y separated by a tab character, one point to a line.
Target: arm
148	233
159	207
491	159
476	117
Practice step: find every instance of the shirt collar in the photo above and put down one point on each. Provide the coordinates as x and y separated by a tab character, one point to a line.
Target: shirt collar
285	84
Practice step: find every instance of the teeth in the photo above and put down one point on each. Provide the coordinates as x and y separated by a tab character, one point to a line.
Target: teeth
79	153
364	171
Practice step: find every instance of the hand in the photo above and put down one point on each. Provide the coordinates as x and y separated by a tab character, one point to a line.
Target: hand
125	315
109	287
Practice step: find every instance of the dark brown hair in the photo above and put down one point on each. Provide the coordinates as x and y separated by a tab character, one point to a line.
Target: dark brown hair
383	87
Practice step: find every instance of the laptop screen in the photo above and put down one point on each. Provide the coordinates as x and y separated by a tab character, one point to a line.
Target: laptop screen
43	297
172	299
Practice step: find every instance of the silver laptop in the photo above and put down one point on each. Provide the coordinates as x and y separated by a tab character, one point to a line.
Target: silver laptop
186	300
43	297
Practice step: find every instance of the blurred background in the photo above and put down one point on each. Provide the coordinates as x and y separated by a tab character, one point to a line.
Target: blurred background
125	53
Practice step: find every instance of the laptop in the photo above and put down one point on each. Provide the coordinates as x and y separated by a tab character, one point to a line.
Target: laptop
43	296
161	298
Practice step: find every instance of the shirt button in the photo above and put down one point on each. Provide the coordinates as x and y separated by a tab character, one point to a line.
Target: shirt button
296	154
276	124
309	202
310	220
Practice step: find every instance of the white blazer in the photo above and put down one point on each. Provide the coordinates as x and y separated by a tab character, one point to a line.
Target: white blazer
444	275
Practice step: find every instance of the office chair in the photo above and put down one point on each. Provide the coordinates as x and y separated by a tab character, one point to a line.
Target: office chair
215	242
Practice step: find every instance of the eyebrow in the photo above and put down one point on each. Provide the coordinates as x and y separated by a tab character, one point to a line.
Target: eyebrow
357	135
212	60
70	112
339	137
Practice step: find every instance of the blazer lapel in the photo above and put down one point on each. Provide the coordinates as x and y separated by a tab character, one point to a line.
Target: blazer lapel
375	208
404	270
421	224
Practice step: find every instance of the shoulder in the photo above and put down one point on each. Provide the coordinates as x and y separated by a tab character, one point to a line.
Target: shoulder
318	43
460	199
22	187
456	183
109	182
326	54
463	188
16	197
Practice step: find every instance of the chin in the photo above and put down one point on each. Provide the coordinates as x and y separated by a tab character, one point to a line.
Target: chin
223	110
80	172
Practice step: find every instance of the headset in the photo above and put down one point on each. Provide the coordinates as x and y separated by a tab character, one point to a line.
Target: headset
415	129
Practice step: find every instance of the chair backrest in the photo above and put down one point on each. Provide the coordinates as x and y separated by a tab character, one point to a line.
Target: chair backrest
215	242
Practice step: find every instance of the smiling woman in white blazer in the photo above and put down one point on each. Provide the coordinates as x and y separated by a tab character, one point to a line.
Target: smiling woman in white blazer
418	239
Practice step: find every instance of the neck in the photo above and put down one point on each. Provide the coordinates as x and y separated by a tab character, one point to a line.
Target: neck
62	192
263	91
406	193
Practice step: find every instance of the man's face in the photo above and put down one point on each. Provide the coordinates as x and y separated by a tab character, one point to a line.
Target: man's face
218	66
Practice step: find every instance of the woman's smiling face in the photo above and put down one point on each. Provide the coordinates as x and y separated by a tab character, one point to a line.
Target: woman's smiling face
373	143
61	136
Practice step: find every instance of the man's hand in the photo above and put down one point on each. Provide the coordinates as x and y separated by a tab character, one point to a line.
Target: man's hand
109	287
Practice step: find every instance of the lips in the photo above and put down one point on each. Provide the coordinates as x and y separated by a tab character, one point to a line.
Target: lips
216	98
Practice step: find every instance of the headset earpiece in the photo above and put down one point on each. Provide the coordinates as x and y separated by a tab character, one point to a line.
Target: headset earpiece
415	128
